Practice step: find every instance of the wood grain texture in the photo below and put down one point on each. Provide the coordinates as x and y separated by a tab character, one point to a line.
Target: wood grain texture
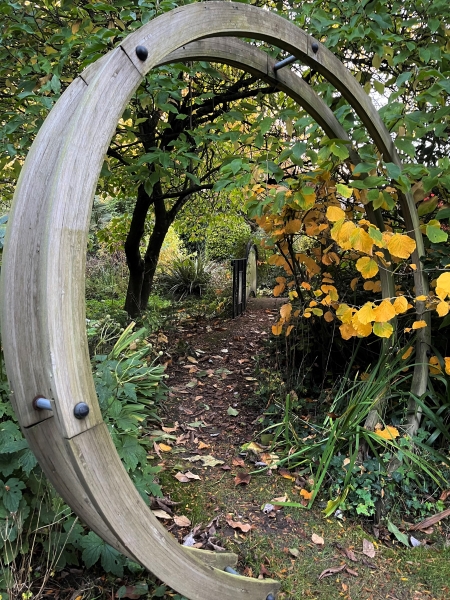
43	317
121	506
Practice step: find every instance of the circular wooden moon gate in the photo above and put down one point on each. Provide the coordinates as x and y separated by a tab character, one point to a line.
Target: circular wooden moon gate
43	306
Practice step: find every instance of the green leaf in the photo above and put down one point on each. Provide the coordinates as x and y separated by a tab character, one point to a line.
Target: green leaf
402	537
339	150
11	492
92	546
393	170
232	412
435	234
344	190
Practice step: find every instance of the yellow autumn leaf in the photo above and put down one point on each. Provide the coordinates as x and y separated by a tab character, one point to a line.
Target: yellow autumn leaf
285	311
305	285
447	365
421	298
442	309
419	324
277	329
408	353
388	433
433	366
165	448
306	495
367	267
289	329
345	313
384	312
443	284
343	238
328	316
331	290
366	314
401	245
278	289
334	213
400	305
347	331
383	330
292	294
362	329
360	240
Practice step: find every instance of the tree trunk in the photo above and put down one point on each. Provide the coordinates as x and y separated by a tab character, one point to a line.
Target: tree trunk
135	262
151	258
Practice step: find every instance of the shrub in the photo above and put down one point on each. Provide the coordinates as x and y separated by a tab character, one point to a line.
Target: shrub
226	238
185	277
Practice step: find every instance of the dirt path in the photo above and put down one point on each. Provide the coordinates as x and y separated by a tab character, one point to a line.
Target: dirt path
215	376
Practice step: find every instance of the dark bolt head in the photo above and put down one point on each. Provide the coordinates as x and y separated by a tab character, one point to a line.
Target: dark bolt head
81	410
315	47
141	53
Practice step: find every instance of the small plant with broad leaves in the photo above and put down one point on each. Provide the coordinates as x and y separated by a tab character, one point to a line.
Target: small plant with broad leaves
185	277
129	386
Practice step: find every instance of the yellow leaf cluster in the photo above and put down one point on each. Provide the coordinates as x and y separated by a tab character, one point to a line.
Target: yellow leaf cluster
367	267
443	286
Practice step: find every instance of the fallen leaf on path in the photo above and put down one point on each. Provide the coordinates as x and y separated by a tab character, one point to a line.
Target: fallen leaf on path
202	446
171	429
414	542
161	514
244	527
306	495
279	499
316	539
238	462
186	477
165	448
430	521
286	474
232	412
192	360
331	571
225	468
242	479
351	572
368	549
208	460
182	521
294	551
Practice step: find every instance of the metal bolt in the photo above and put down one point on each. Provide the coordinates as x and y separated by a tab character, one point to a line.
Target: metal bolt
315	47
40	403
141	53
81	410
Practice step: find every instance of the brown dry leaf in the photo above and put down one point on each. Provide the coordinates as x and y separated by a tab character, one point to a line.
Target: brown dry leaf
316	539
331	571
368	548
242	478
279	499
430	521
350	554
170	429
182	521
244	527
181	478
161	514
202	446
165	448
351	572
445	494
238	462
192	360
286	474
190	475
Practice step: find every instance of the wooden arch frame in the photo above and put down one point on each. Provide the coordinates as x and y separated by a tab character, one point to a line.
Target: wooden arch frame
43	314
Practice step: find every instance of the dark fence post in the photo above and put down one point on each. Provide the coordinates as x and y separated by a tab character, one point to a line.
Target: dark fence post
244	279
